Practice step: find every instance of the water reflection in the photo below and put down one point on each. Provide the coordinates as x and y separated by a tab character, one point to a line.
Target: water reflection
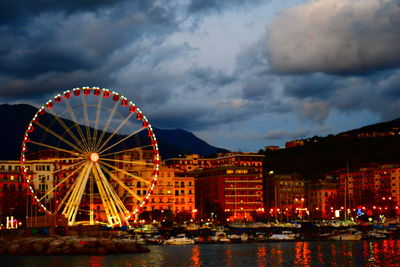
302	253
261	255
95	261
331	253
196	261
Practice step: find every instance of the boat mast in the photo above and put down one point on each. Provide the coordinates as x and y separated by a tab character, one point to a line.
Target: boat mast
345	192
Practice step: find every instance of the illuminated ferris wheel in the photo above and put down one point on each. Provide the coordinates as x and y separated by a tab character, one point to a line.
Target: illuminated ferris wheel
83	154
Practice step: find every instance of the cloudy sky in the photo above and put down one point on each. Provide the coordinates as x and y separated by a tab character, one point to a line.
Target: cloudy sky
239	74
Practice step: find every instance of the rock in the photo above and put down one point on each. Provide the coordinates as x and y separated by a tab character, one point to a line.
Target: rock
56	243
39	247
13	249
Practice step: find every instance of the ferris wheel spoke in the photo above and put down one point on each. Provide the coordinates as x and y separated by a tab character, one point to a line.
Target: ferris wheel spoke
117	207
135	162
56	148
98	110
68	167
116	131
66	195
60	183
105	200
72	191
78	127
126	150
122	140
86	119
103	132
66	128
76	198
122	184
127	173
59	137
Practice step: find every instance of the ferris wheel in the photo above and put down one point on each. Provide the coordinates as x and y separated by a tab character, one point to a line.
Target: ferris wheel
84	154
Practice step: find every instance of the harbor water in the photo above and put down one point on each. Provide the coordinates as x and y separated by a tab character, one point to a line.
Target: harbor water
310	253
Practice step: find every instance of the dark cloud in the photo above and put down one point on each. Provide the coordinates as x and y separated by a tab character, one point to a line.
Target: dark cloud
206	77
71	44
340	37
315	85
281	134
22	10
257	87
201	6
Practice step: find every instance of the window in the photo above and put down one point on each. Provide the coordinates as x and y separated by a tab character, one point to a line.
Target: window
176	192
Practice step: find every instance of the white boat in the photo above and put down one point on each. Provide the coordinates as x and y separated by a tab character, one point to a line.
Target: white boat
180	239
285	235
375	235
220	237
260	225
234	238
244	237
349	235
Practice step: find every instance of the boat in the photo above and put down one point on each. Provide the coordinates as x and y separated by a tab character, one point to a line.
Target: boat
180	239
260	225
154	240
285	235
235	238
220	237
203	240
240	226
261	236
373	234
347	235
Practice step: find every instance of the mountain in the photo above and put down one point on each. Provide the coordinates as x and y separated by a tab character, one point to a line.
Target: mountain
172	143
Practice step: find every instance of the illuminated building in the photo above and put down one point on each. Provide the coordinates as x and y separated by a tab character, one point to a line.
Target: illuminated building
189	163
175	193
371	186
285	196
13	193
321	195
230	186
294	143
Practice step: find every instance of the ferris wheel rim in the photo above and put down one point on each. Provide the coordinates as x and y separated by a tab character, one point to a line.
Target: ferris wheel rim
92	151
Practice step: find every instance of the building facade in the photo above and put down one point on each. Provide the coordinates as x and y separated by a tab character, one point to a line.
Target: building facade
230	187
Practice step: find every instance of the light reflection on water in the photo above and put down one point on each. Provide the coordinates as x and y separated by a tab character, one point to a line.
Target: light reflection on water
325	253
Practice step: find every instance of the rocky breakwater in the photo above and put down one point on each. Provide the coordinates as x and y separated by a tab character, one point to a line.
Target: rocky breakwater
68	245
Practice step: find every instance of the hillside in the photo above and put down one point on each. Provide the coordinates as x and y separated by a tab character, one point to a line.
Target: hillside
172	143
320	155
382	127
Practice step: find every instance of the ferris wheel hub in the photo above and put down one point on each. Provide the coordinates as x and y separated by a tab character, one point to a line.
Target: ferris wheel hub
94	157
